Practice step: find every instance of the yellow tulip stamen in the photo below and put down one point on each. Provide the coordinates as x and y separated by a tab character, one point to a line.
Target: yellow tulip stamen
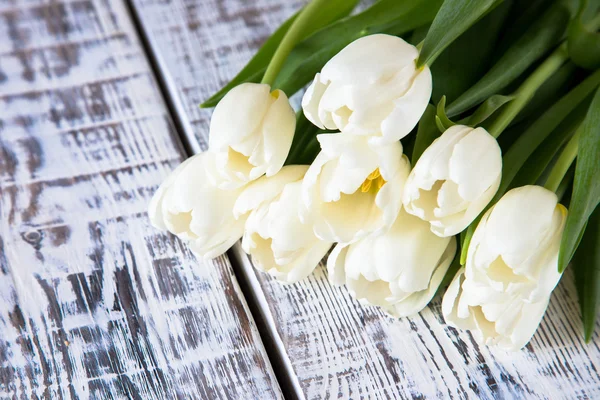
374	182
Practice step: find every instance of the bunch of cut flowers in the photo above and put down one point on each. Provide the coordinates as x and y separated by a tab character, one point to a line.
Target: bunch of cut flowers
447	147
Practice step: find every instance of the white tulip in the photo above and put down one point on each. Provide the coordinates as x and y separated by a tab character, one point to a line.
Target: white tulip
251	133
511	269
372	87
455	178
190	205
274	237
399	270
353	188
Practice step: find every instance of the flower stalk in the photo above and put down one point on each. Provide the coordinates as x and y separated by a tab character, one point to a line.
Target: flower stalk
291	38
528	89
559	170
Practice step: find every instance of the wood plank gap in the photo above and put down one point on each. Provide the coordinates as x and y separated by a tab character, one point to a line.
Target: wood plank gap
166	86
242	268
259	308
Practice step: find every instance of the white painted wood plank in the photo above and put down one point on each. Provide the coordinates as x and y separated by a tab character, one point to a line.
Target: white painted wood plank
94	302
336	347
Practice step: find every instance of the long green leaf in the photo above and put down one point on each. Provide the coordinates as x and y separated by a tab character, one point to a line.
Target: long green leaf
536	42
454	18
386	16
554	88
541	159
484	111
537	133
254	70
305	130
523	14
586	186
469	57
427	132
587	274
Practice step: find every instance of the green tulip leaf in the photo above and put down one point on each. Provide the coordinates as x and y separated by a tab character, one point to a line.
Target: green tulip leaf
452	20
486	110
554	121
522	16
305	133
586	266
469	57
565	184
427	132
543	35
553	88
439	124
586	185
441	119
541	160
332	11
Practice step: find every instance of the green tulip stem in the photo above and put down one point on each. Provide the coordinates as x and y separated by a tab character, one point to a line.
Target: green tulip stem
528	88
290	39
566	158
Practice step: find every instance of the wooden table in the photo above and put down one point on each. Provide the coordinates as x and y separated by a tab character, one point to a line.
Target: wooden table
98	102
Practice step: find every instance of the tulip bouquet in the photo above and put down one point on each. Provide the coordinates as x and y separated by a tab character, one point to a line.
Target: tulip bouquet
414	196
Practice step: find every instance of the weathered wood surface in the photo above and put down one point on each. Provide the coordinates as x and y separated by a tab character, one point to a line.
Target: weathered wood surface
336	347
94	302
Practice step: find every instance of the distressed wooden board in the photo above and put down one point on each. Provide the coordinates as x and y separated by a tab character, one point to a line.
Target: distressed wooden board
94	302
336	347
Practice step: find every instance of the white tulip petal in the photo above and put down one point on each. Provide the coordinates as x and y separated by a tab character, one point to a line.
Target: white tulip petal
213	250
522	217
389	198
279	127
369	58
155	207
312	99
336	269
266	188
475	164
454	179
399	270
241	110
193	208
372	87
417	301
408	109
531	317
275	238
251	132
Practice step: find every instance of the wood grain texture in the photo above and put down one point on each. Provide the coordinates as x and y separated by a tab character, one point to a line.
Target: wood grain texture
94	302
337	347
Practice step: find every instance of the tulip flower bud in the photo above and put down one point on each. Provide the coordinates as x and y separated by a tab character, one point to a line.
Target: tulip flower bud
511	270
190	205
274	237
353	188
454	180
251	133
399	270
372	87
